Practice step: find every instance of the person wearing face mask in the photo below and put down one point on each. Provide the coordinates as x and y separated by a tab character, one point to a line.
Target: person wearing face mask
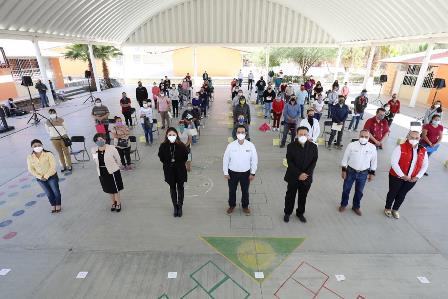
268	98
312	124
250	80
409	162
378	128
435	109
120	134
318	89
239	166
42	165
242	109
174	154
126	109
107	161
204	101
260	85
186	137
318	106
358	166
339	115
332	97
388	115
100	114
394	104
55	127
291	115
141	93
155	93
164	106
236	98
174	97
358	110
345	90
277	109
146	119
432	135
302	157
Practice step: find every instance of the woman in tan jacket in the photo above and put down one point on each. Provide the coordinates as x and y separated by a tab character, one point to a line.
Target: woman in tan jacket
107	162
120	134
56	128
42	165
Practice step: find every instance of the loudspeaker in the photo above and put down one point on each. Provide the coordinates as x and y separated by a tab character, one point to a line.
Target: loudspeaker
439	83
27	81
383	78
87	74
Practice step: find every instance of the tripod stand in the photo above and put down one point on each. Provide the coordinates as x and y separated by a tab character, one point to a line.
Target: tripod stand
378	98
90	97
35	115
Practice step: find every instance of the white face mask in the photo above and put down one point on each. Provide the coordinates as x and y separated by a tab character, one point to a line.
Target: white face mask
413	142
437	106
302	139
52	116
145	105
387	108
38	149
172	139
241	136
98	104
436	122
363	141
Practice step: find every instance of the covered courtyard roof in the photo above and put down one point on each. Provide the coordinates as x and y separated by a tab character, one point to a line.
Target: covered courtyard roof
254	22
438	57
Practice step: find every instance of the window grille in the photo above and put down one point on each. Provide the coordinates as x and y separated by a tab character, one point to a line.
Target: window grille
24	67
412	73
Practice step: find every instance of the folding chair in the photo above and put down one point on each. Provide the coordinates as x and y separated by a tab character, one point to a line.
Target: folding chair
326	133
155	128
134	117
134	148
83	151
416	126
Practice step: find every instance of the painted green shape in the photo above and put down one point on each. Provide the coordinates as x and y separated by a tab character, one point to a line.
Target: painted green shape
164	296
252	254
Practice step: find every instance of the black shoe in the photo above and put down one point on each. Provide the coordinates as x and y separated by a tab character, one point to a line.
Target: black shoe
179	211
301	218
176	211
286	218
114	206
70	169
426	174
118	208
282	146
63	169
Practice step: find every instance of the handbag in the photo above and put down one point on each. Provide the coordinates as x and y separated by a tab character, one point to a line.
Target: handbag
65	138
123	143
147	122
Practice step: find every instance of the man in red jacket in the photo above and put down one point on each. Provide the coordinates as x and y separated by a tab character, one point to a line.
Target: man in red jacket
277	108
378	128
394	104
409	162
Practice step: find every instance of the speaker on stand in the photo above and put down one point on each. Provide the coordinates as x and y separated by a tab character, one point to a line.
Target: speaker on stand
438	83
28	81
383	79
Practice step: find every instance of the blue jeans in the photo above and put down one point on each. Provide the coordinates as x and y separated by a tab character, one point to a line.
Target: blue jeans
267	109
301	110
354	118
360	179
51	188
43	99
260	97
148	133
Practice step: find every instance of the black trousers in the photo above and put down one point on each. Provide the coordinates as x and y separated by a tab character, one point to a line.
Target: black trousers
106	127
175	105
243	179
125	155
338	139
397	192
128	118
301	187
249	84
177	193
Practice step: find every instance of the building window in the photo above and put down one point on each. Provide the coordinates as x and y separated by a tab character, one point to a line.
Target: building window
412	73
24	67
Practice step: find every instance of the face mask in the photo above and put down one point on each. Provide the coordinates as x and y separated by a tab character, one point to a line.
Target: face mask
241	120
189	108
145	105
363	94
363	140
181	128
380	117
38	149
387	108
413	142
98	104
119	123
302	139
172	139
53	116
437	106
436	122
310	116
241	136
242	103
100	143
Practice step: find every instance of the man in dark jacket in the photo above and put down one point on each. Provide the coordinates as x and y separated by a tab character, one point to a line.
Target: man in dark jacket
339	114
166	86
302	158
141	93
358	109
42	88
261	85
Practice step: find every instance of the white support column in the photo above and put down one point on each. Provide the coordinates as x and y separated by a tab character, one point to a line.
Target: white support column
266	62
195	69
421	75
369	67
43	71
95	74
338	62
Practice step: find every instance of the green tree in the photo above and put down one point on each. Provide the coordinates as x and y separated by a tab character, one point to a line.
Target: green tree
106	53
353	57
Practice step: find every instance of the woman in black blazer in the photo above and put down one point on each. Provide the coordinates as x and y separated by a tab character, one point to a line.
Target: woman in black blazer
174	154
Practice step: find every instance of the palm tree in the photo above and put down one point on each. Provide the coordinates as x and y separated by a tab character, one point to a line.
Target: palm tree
81	52
106	53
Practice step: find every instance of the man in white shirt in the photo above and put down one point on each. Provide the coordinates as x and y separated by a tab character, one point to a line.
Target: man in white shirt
312	124
250	80
358	166
240	78
239	166
409	163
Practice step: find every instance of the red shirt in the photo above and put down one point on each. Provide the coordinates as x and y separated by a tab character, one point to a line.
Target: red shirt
125	101
394	106
278	106
155	91
433	133
377	129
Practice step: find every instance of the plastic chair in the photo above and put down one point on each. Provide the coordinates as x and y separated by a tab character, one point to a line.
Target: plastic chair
134	147
83	151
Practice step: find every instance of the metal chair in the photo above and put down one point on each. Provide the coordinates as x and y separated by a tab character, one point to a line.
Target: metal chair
83	151
325	132
134	147
155	128
134	117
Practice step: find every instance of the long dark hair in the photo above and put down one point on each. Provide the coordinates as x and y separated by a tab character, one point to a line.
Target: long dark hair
172	129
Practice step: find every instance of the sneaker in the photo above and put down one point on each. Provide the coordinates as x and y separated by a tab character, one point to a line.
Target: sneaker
246	211
286	218
388	213
395	214
230	210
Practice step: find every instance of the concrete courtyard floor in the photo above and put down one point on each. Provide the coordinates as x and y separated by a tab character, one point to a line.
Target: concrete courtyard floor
129	255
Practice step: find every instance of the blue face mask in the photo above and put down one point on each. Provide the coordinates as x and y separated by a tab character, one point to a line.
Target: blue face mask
100	143
181	128
241	120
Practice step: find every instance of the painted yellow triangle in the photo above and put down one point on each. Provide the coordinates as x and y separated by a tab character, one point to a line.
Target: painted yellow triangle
251	254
